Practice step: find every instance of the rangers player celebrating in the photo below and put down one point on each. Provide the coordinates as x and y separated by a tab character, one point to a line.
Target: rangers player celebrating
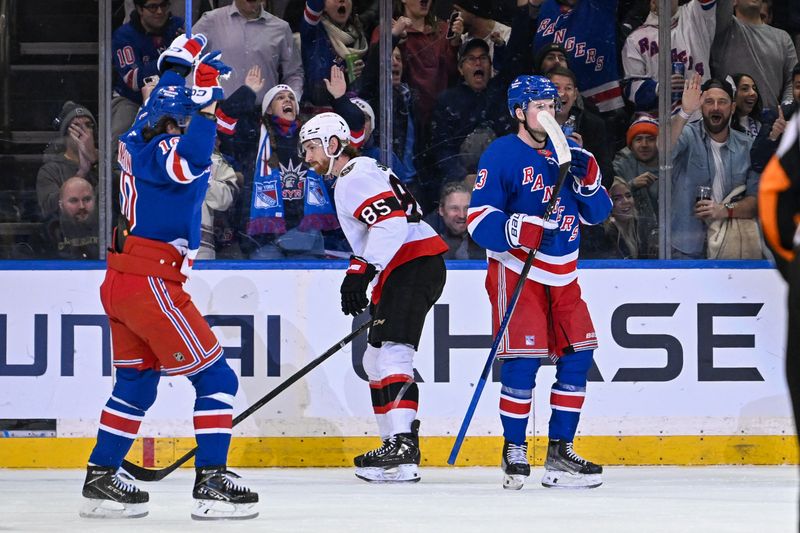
154	324
383	224
516	178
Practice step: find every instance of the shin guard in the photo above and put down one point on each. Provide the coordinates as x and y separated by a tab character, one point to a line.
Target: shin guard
517	378
400	394
215	388
134	392
567	394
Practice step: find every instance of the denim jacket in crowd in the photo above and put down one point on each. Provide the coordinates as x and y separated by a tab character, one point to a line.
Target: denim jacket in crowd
693	165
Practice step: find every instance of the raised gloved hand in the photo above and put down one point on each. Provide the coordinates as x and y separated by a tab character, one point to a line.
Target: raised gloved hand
354	287
182	54
584	171
206	87
527	230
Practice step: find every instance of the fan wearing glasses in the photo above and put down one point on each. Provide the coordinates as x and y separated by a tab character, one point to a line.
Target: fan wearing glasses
136	47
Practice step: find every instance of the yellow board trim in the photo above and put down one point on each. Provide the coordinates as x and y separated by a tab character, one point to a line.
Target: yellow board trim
476	451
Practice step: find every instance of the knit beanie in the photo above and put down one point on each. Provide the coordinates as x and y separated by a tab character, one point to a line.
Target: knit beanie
646	125
69	111
272	93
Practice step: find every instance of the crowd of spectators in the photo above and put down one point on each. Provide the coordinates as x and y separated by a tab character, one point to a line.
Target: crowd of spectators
734	84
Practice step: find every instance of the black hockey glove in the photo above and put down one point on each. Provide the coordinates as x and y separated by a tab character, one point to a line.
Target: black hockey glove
354	286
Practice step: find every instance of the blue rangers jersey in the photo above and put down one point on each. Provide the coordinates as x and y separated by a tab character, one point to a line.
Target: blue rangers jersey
588	33
136	54
163	183
516	178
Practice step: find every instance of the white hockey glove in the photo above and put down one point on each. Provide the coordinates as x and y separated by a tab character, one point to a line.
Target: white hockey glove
182	54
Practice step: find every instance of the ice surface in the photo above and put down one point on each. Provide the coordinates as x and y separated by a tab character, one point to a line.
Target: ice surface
636	499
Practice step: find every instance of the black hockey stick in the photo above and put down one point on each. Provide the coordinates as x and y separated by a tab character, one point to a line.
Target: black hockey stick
145	474
564	159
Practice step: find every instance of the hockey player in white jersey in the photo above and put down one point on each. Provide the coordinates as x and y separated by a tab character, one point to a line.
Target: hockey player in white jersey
692	32
403	255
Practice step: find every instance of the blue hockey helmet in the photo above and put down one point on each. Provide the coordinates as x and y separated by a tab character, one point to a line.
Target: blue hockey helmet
172	101
527	88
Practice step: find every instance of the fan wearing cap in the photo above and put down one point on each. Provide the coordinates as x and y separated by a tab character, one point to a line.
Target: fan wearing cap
477	16
637	163
475	104
549	56
708	153
74	153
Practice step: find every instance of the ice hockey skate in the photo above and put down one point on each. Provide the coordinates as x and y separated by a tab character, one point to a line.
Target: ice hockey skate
515	465
566	469
394	462
108	496
218	497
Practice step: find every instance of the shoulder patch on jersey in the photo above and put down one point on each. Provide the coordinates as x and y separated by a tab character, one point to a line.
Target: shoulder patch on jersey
347	168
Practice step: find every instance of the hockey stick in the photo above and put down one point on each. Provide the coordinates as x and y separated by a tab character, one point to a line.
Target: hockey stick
145	474
564	159
188	18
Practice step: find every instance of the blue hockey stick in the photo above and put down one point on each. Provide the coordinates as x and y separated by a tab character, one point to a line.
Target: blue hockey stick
188	19
564	159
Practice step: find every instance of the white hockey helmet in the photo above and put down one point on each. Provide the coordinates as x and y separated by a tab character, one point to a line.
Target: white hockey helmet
324	127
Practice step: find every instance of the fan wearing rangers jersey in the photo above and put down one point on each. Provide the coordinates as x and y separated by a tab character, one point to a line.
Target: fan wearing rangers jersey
401	256
516	178
155	326
692	32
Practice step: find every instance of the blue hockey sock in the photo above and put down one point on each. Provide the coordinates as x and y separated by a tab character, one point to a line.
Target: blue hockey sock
134	392
215	389
567	394
517	378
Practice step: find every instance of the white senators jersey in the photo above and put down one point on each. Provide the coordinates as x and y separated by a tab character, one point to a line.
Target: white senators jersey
381	219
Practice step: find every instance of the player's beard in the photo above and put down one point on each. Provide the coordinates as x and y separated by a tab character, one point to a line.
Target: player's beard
320	167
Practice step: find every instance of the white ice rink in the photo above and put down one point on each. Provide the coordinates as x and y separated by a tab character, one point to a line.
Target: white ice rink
635	499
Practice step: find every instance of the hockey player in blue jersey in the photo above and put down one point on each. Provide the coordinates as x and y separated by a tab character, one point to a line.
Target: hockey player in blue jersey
516	178
155	326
